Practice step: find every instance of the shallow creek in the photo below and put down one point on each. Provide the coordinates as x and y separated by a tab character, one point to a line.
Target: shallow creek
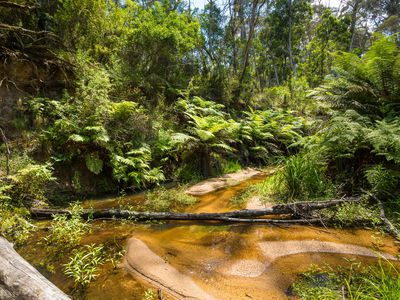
214	261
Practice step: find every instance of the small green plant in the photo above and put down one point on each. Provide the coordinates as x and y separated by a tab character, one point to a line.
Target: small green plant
162	199
67	232
350	213
231	166
264	190
149	294
84	263
241	198
383	182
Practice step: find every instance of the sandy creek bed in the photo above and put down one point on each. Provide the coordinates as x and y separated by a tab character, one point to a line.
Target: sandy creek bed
215	261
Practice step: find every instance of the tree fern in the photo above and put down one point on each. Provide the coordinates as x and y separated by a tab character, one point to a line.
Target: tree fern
385	139
369	85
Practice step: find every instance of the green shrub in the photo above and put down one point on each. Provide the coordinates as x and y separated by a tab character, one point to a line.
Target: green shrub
385	139
29	183
15	225
17	161
84	263
265	190
351	213
66	232
231	166
382	181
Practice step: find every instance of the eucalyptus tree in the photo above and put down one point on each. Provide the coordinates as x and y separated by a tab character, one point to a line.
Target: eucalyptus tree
213	52
283	36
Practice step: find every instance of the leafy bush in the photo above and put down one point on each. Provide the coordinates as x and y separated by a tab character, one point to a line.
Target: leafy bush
351	213
135	168
17	161
265	190
231	166
382	181
369	85
28	184
385	139
66	232
15	225
207	131
84	263
262	134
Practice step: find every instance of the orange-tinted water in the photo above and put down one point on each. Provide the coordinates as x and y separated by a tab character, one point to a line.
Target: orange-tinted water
216	256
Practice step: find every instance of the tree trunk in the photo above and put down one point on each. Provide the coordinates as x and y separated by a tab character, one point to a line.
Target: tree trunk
8	152
20	281
290	50
353	23
297	210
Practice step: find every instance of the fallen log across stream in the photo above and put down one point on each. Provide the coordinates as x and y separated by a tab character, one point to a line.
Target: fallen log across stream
298	211
19	280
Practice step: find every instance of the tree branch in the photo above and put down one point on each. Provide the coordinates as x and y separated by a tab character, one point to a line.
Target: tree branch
295	209
9	4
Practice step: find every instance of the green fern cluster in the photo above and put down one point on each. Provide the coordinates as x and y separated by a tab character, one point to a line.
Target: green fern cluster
367	84
210	134
361	142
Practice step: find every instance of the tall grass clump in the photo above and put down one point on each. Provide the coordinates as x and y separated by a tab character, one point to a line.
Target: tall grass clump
356	282
303	177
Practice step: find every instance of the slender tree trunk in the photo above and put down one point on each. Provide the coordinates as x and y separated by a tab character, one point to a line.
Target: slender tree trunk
275	72
290	50
255	11
353	23
8	152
